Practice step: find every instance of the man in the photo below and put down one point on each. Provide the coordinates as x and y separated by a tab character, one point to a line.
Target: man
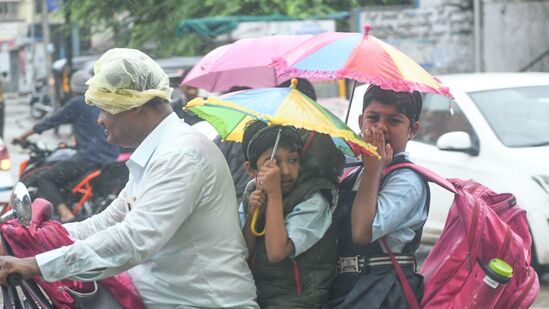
93	151
174	225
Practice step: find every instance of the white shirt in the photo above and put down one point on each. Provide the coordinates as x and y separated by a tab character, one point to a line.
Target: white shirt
175	222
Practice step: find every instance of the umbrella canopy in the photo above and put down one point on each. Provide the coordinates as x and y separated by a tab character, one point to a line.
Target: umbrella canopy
230	114
362	57
244	63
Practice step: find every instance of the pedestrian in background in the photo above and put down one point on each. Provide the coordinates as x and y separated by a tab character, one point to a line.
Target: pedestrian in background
92	149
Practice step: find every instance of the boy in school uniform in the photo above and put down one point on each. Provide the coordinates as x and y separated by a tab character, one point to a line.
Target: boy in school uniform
294	262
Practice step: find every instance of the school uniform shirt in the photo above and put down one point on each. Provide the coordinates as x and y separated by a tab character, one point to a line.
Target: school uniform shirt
306	224
400	207
174	226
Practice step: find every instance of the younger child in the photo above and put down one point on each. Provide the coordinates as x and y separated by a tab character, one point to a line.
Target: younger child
375	207
294	263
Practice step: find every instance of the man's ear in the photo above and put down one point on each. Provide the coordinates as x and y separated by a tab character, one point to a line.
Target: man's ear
249	169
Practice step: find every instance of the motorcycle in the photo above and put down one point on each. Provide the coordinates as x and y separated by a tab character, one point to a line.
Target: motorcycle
88	195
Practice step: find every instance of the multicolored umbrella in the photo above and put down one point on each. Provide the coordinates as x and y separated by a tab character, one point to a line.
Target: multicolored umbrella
244	63
230	114
361	57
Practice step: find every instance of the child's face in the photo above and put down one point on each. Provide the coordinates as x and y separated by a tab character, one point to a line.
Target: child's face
288	163
397	127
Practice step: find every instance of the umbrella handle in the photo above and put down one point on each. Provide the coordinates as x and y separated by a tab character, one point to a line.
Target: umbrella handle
253	224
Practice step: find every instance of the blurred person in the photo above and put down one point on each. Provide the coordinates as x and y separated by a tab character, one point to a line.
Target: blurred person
92	149
232	151
178	105
303	85
174	208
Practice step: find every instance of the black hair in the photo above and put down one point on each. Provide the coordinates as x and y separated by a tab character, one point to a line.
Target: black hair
259	137
408	103
237	88
303	85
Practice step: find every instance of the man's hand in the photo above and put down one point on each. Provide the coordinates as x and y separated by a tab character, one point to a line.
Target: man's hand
20	140
27	267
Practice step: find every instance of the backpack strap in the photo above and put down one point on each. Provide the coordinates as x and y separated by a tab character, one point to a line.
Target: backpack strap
408	293
426	173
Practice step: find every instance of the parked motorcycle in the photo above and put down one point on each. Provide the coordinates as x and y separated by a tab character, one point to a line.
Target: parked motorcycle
88	195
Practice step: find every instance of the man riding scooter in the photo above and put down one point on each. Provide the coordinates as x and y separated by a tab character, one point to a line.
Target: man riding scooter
175	225
93	151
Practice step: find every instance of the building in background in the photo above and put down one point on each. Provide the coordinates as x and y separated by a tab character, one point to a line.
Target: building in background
454	36
22	52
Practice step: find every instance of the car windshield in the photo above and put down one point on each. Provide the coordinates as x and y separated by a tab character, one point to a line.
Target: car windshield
518	116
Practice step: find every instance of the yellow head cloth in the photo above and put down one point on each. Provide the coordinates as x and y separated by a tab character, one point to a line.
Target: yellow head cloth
126	78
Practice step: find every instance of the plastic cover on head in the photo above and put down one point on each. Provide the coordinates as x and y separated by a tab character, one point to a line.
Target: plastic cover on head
126	78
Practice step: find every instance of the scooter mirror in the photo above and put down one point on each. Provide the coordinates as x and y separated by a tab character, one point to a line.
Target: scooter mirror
21	205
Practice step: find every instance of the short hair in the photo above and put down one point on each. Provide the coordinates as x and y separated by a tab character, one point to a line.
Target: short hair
408	103
259	137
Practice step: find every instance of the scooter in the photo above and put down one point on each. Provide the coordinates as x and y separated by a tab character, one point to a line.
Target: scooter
90	194
28	230
33	297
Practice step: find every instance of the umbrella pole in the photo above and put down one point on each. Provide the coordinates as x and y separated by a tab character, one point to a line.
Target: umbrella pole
276	144
350	102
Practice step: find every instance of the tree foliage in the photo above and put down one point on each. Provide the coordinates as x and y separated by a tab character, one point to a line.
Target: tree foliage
151	24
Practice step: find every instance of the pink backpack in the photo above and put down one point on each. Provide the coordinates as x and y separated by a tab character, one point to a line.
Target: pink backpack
44	235
481	225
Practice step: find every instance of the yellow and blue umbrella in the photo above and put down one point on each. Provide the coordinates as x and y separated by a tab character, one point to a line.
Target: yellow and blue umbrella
230	114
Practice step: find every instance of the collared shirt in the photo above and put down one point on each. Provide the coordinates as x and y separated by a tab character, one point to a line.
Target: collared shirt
306	224
175	223
91	140
400	207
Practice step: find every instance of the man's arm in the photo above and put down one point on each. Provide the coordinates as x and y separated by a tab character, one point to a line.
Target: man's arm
168	196
65	114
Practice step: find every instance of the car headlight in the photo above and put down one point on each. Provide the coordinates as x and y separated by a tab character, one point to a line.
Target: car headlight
543	181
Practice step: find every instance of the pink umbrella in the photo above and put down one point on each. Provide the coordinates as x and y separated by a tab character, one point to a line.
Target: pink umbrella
244	63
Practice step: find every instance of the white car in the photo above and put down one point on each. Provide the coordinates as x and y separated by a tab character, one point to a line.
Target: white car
6	178
498	136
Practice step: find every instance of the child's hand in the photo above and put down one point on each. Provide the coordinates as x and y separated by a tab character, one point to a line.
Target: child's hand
268	177
256	199
376	137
